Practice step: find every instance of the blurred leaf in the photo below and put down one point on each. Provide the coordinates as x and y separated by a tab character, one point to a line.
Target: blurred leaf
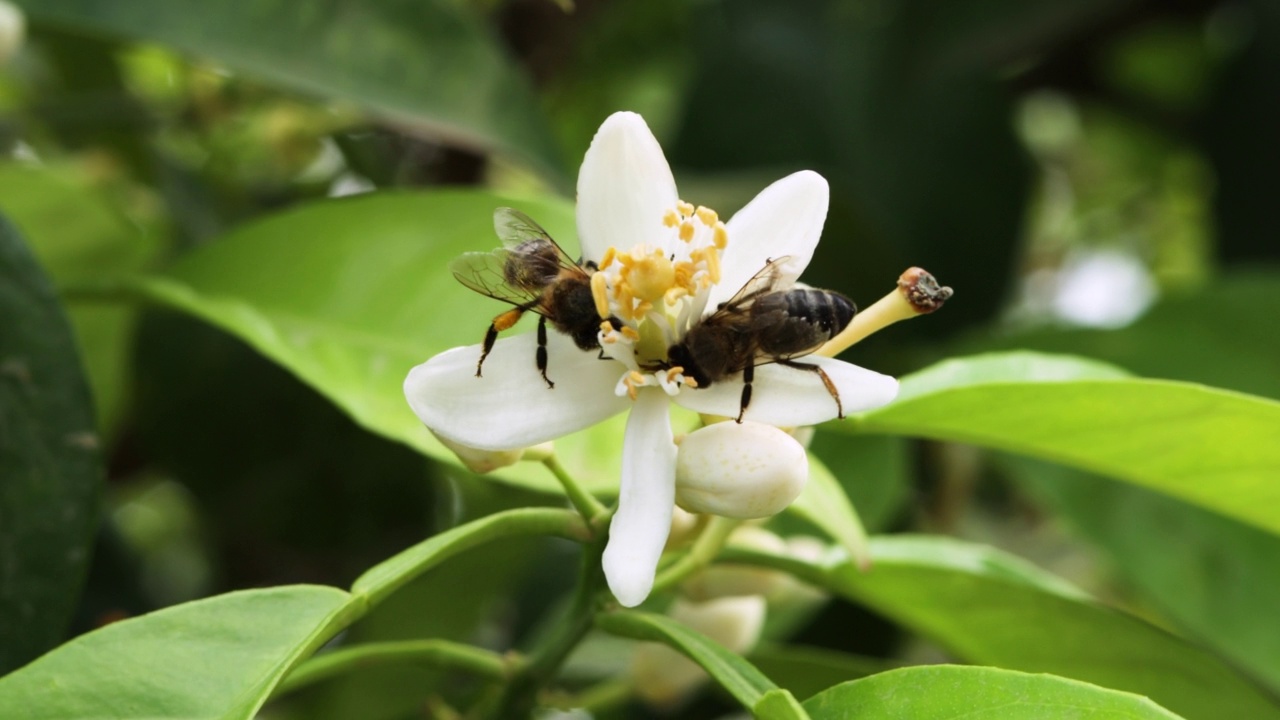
214	658
739	677
1215	577
951	692
823	503
1210	336
989	608
924	164
426	63
874	471
806	671
393	573
80	237
50	465
350	294
1212	447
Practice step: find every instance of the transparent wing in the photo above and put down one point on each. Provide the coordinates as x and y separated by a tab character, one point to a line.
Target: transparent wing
761	283
514	228
483	272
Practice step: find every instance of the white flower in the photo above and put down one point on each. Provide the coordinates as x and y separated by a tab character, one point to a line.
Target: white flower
664	265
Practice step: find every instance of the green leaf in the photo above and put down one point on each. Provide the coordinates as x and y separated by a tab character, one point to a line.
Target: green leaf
350	294
874	470
778	704
391	574
217	659
425	63
986	607
1210	447
50	465
1214	577
952	692
736	675
79	237
823	503
807	671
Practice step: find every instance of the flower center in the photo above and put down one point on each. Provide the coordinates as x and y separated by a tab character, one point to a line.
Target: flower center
658	290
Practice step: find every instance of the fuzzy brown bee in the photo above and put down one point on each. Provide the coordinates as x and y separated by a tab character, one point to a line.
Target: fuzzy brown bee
761	325
533	273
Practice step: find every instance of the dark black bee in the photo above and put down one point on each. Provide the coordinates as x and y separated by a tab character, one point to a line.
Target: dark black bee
761	325
532	272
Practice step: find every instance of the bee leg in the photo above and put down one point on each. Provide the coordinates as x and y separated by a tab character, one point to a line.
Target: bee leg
490	336
748	374
826	381
542	350
500	323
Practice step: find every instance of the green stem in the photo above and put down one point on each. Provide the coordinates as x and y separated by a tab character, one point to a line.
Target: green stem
704	550
585	503
518	698
437	653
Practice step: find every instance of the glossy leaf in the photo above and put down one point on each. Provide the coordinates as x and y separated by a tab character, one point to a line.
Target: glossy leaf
424	63
217	659
823	503
393	573
1212	576
79	238
736	675
806	671
986	607
50	463
1211	447
953	692
350	294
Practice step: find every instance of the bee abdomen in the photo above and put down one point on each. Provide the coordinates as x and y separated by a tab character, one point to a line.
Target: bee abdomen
795	322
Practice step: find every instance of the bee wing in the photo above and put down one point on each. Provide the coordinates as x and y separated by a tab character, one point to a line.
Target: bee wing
515	228
482	272
761	283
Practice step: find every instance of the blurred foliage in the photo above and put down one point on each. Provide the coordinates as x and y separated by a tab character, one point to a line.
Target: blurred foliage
1094	178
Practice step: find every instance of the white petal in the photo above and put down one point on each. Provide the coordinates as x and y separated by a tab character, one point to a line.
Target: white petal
786	218
786	397
624	188
639	528
511	407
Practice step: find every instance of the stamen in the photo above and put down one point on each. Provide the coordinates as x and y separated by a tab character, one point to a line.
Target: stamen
606	327
609	255
686	209
671	219
686	231
707	215
689	382
673	372
720	236
713	265
629	333
600	293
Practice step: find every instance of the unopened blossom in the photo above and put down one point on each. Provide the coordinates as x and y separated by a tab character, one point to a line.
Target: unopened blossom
664	264
745	471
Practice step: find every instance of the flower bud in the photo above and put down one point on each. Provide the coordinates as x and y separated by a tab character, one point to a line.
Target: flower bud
662	676
685	527
727	580
739	470
480	461
13	28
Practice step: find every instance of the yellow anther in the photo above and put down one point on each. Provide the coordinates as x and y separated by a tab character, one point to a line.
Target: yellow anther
686	231
671	219
610	339
686	209
606	327
713	265
609	255
629	333
720	236
690	382
707	216
625	301
600	293
674	294
673	372
636	377
651	276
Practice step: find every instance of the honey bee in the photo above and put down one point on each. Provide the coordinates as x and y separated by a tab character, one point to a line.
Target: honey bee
761	325
532	272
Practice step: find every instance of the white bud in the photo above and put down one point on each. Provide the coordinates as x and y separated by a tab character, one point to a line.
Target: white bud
746	470
479	461
727	580
685	527
662	676
13	28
